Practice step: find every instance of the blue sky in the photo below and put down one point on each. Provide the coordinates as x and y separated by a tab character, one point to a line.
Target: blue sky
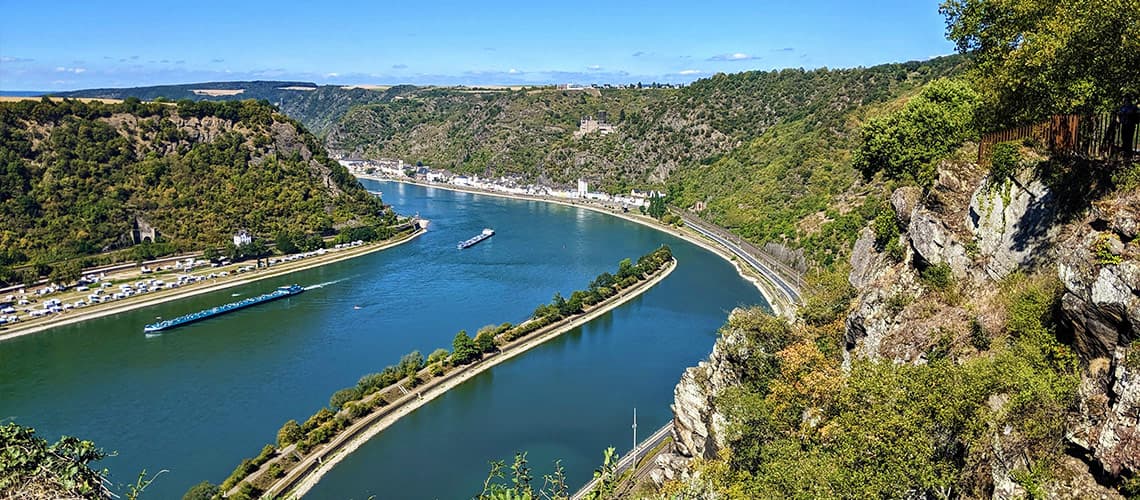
131	43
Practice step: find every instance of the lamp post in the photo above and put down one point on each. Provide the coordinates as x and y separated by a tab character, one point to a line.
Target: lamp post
634	439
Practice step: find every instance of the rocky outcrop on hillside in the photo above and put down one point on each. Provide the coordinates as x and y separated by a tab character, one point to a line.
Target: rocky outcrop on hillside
994	231
1013	222
698	428
1100	268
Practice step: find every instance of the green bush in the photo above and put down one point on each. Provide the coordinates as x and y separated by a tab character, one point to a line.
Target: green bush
1102	251
938	276
1004	161
906	144
979	338
204	490
437	356
886	228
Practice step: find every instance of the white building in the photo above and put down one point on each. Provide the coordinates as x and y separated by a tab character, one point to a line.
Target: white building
583	188
242	238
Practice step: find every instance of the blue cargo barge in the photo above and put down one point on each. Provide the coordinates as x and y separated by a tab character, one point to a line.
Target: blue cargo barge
280	292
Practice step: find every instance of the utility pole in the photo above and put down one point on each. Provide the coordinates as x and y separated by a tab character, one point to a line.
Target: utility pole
634	439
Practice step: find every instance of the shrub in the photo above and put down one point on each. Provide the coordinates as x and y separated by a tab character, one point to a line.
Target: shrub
267	453
979	338
275	471
1132	360
938	276
886	228
896	303
1102	251
1004	161
437	356
895	250
204	490
318	418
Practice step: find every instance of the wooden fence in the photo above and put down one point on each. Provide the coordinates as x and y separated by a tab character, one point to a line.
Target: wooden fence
1088	136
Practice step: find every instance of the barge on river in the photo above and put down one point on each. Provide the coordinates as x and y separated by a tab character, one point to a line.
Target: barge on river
487	233
280	292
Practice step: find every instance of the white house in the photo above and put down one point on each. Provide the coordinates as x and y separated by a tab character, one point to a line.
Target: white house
242	238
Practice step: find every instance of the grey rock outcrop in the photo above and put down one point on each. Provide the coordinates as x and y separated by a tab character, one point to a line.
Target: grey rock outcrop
1013	223
1101	304
866	262
933	241
906	201
698	428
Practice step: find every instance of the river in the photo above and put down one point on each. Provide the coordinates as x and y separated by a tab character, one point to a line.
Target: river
198	399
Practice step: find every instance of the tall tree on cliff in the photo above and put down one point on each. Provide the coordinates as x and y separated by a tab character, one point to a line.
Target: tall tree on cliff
1040	57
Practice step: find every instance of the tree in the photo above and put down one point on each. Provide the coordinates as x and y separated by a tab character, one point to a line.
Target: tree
463	349
290	433
625	269
285	243
205	490
339	398
410	364
656	207
485	338
59	470
906	144
1040	57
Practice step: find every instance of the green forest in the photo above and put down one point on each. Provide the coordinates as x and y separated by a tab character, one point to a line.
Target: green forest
78	179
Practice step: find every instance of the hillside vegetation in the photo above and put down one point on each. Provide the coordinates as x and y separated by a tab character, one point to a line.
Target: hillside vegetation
76	179
530	133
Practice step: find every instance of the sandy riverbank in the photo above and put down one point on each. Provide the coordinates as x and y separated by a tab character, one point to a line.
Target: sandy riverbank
771	294
75	316
298	483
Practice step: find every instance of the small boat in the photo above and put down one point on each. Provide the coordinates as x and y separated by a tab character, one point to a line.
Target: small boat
487	233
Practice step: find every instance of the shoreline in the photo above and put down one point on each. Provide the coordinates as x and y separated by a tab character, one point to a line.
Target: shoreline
303	265
337	450
767	290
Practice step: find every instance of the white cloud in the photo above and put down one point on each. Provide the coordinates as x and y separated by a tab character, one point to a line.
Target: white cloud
331	75
594	67
513	71
77	71
735	56
689	72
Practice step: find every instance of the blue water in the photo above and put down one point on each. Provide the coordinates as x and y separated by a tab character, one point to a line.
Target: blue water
198	399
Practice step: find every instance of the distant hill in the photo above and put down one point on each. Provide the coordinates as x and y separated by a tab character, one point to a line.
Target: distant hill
215	91
83	178
315	106
656	132
766	153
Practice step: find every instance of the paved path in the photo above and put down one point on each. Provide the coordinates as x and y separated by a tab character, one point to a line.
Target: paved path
624	463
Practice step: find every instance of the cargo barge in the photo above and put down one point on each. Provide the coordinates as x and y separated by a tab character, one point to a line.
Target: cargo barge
487	233
280	292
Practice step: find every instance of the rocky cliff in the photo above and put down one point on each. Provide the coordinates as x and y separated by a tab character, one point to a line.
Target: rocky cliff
982	230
